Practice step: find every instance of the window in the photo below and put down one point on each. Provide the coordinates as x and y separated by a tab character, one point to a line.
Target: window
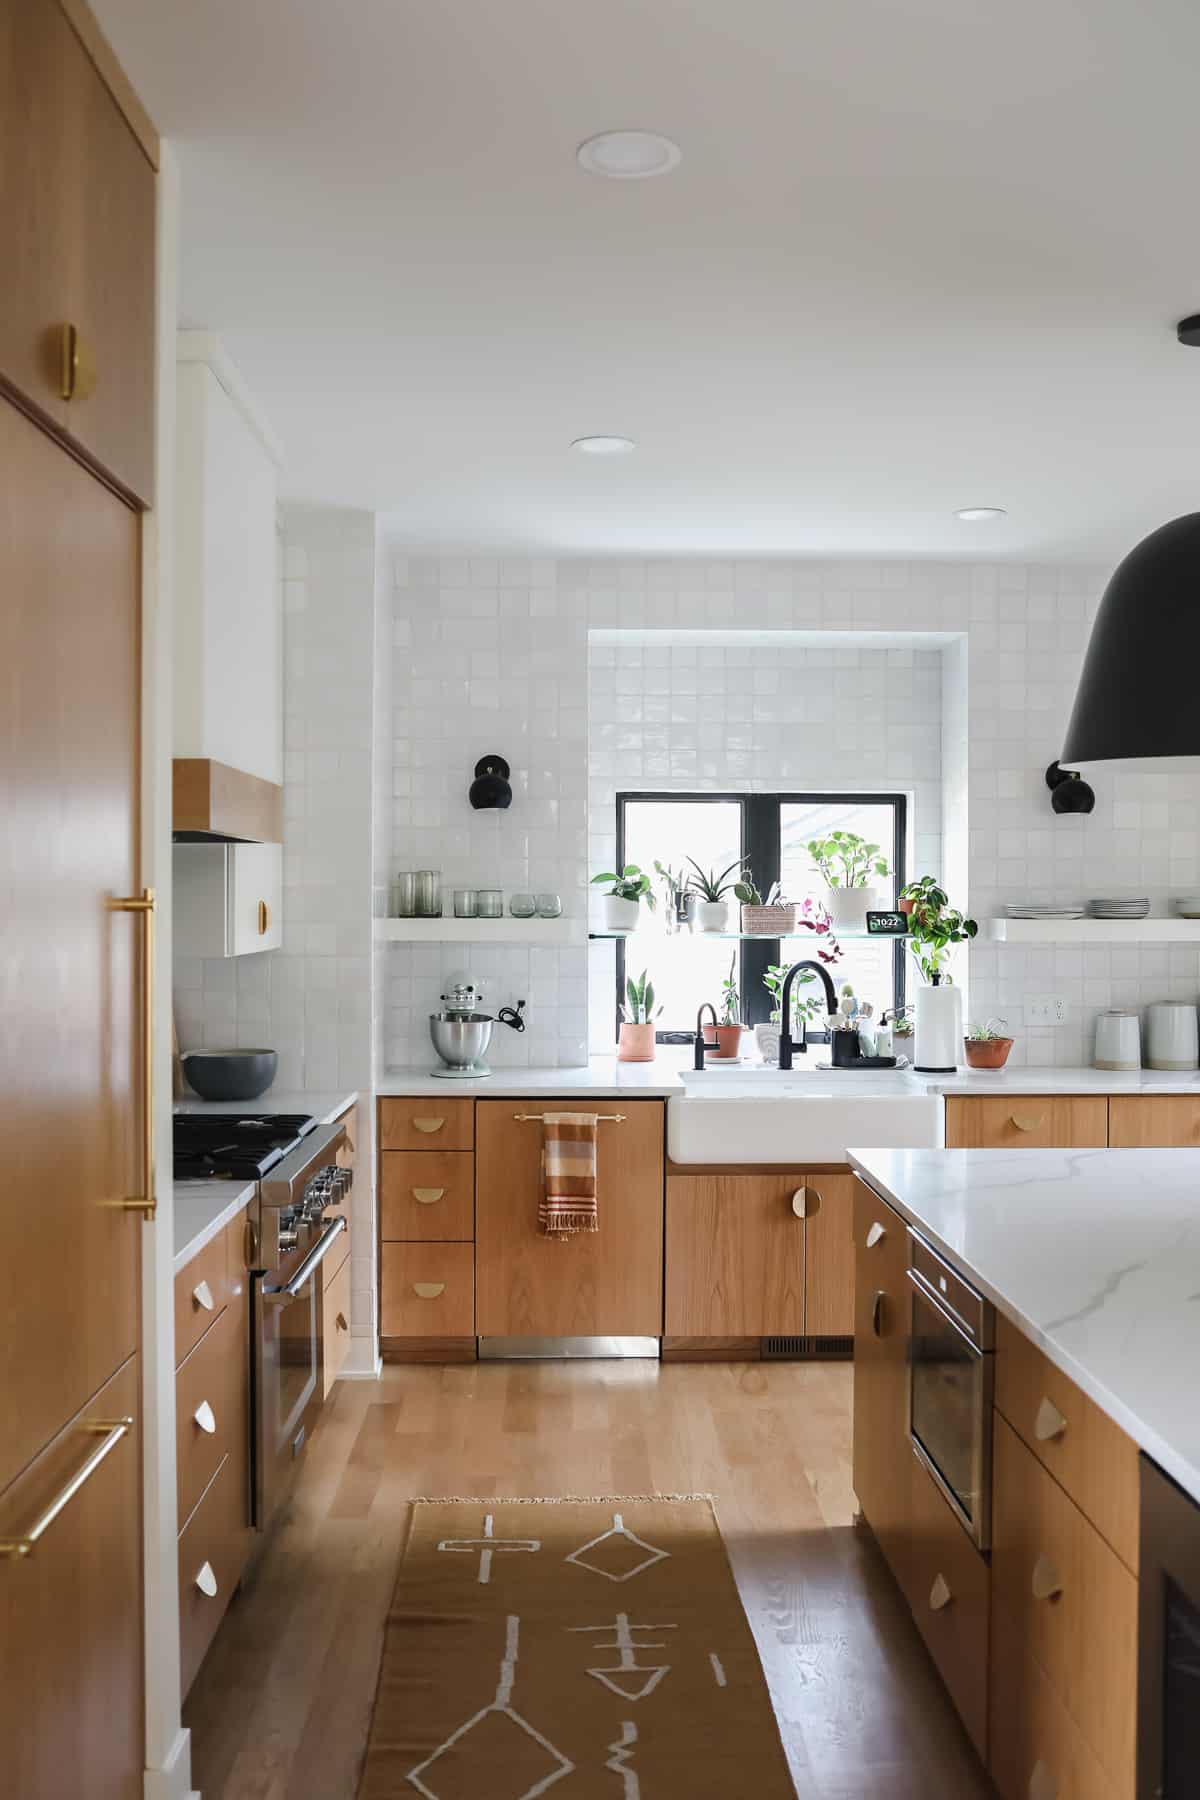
770	832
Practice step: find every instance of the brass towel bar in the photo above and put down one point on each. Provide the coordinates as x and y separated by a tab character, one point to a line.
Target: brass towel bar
602	1118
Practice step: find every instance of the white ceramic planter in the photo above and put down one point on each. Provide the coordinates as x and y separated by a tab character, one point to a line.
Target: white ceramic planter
619	915
939	1032
848	907
767	1039
712	915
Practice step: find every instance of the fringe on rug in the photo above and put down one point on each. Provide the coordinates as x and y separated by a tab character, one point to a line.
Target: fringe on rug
549	1500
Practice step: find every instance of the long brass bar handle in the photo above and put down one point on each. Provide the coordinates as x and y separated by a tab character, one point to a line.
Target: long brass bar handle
147	1201
601	1118
111	1432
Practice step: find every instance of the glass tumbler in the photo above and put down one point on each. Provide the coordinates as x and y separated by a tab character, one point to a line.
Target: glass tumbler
522	906
549	906
404	903
491	903
428	883
466	903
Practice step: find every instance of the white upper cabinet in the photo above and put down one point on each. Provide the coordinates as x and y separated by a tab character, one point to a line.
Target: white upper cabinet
228	899
228	613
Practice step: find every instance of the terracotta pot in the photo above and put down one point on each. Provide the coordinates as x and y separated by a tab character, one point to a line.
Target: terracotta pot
987	1053
905	906
709	1034
636	1043
729	1040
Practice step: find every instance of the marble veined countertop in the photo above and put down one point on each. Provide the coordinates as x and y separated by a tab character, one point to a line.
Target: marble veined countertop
1094	1254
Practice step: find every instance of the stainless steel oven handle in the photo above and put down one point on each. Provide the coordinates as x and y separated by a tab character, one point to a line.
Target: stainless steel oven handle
281	1295
938	1303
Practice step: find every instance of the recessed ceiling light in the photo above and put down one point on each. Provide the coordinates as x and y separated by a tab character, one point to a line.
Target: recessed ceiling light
628	155
972	514
604	446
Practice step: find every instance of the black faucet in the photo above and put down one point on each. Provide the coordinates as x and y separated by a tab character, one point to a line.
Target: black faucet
785	1001
706	1006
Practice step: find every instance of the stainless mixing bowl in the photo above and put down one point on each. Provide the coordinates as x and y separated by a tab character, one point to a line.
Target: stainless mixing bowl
460	1039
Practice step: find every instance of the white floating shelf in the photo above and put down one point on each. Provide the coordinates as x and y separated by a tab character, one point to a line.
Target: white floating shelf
478	931
1094	931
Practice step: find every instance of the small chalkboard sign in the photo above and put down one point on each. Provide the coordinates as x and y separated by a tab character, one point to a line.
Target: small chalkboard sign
887	924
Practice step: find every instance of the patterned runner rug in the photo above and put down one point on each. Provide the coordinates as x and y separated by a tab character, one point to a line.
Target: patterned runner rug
592	1650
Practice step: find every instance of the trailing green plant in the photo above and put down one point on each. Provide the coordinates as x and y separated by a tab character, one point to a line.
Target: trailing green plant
731	999
845	860
639	1007
711	887
631	884
934	926
808	1007
988	1032
902	1023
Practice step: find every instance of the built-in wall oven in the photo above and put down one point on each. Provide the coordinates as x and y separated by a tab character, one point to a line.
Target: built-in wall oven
299	1219
951	1364
1168	1753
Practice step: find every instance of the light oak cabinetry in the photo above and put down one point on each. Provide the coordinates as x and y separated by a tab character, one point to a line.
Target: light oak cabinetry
335	1273
427	1229
1030	1122
882	1448
428	1196
948	1586
424	1124
1153	1121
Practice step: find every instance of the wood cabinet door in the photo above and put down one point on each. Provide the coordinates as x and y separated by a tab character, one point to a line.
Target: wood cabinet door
882	1450
1153	1121
948	1585
69	1056
77	217
602	1284
1027	1122
71	1614
828	1255
735	1256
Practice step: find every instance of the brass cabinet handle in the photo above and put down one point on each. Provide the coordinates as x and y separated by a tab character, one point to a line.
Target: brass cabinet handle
76	364
428	1126
1046	1583
205	1417
427	1196
202	1295
877	1313
340	1322
1050	1423
939	1594
1024	1123
264	918
110	1432
206	1580
143	906
805	1200
1042	1785
428	1290
876	1235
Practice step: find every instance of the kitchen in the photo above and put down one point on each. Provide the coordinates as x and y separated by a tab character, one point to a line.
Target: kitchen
399	674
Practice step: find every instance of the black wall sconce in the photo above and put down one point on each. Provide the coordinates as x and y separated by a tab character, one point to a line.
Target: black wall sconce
490	789
1069	792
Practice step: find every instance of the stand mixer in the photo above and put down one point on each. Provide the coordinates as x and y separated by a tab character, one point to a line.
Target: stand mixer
462	1031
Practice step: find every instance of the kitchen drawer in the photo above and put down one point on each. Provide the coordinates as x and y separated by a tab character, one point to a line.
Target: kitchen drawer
1082	1448
335	1323
1029	1122
212	1552
426	1124
947	1582
211	1405
427	1196
445	1307
1037	1752
1152	1121
1067	1600
204	1286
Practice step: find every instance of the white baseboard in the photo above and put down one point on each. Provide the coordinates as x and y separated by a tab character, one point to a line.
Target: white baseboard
174	1780
363	1361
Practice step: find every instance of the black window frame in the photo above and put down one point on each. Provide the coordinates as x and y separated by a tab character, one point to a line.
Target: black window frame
761	845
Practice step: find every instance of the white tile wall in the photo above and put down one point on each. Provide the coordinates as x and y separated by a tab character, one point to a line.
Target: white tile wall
492	654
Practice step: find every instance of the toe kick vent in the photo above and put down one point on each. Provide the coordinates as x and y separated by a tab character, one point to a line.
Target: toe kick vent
792	1349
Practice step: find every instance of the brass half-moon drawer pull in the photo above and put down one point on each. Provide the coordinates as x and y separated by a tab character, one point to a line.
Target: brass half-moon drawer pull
205	1417
939	1594
877	1312
1023	1122
876	1235
800	1203
1047	1583
202	1294
1042	1785
340	1322
428	1126
428	1290
427	1196
1050	1423
206	1580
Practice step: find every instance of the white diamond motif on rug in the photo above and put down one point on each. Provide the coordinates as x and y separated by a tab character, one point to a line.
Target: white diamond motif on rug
609	1554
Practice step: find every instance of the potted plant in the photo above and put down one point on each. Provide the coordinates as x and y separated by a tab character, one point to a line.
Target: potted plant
810	916
710	889
626	892
677	897
934	927
772	917
846	863
987	1046
635	1042
729	1025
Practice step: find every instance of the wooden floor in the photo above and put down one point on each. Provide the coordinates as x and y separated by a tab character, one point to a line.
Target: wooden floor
280	1709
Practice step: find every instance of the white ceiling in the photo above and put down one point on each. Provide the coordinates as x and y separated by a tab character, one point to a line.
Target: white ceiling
920	254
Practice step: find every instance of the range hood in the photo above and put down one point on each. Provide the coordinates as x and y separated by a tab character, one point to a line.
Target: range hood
212	800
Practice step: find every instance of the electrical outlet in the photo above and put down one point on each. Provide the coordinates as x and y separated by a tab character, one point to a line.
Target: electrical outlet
1045	1009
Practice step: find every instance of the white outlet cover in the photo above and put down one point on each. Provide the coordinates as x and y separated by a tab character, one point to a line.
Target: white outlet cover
1045	1009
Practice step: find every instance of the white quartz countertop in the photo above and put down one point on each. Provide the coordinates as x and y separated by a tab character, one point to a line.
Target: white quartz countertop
324	1107
202	1209
1062	1081
1094	1254
603	1078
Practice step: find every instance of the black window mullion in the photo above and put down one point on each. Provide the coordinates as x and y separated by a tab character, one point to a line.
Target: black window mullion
762	848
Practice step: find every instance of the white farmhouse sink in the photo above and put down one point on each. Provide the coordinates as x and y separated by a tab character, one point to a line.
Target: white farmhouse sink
758	1114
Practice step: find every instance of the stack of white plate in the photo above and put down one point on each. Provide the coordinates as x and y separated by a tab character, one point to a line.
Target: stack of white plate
1118	908
1020	910
1188	906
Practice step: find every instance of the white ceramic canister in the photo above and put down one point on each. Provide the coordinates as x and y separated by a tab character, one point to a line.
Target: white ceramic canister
1118	1041
1172	1036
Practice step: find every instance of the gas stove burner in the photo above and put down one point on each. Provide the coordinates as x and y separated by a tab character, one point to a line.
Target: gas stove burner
228	1146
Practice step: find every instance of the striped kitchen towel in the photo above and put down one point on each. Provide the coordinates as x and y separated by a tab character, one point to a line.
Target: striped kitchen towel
568	1202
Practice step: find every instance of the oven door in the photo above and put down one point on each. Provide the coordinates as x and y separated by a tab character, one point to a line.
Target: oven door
1168	1731
288	1361
950	1408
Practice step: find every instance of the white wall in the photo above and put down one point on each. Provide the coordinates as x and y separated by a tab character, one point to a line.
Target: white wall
491	654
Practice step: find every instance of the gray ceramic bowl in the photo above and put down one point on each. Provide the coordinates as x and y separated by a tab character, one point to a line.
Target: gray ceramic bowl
229	1074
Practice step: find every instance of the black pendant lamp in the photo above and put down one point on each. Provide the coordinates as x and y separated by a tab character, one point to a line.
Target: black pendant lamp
1136	700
